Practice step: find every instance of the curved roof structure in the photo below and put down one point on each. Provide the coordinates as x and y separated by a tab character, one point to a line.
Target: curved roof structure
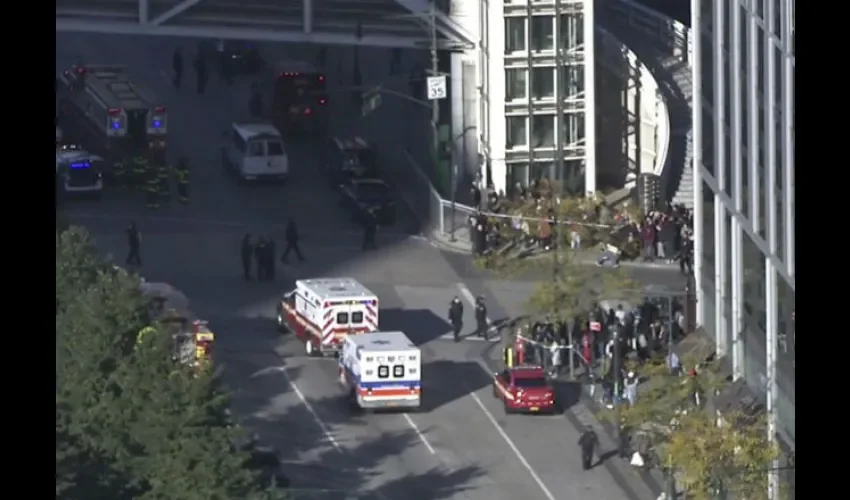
378	23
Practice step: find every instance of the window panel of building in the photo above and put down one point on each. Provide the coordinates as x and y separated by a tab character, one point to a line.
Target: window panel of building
517	131
542	33
517	174
572	128
514	34
573	80
543	80
543	128
515	84
572	32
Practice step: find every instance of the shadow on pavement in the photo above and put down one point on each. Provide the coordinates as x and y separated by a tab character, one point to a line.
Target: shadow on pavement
420	325
451	380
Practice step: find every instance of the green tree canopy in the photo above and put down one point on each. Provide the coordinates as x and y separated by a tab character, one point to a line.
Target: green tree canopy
130	421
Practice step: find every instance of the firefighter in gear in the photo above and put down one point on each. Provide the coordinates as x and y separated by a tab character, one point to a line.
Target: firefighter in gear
140	173
152	191
163	187
519	348
119	174
508	355
181	174
481	325
588	442
456	317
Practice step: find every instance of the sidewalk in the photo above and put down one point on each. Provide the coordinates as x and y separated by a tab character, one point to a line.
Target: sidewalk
462	244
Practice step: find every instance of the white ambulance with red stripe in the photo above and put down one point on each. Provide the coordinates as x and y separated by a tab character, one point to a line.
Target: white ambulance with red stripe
323	312
381	370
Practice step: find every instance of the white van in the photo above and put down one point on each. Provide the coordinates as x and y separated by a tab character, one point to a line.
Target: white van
255	151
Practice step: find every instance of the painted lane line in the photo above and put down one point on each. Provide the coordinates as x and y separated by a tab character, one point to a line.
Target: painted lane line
548	494
325	430
419	433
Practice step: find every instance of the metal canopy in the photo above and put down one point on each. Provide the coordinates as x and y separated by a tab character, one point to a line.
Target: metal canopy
376	23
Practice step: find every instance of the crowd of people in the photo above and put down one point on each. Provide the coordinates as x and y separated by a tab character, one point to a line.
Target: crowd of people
527	218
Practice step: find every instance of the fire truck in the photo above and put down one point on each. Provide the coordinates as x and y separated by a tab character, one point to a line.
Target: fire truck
322	312
296	97
110	114
381	370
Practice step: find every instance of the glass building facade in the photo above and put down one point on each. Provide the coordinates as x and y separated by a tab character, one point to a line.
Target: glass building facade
743	63
540	85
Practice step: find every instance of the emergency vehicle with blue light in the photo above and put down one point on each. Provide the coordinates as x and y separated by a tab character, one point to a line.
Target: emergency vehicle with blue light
78	172
107	111
323	312
381	370
524	388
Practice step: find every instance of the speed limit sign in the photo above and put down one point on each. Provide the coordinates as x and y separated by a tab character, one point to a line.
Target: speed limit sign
436	87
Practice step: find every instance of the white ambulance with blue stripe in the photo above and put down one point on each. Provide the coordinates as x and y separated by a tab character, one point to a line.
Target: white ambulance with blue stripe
381	370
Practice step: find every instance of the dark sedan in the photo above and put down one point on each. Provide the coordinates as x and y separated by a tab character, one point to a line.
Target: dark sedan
351	164
362	195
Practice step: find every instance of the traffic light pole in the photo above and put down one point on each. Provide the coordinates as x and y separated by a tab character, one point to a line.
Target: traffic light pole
435	70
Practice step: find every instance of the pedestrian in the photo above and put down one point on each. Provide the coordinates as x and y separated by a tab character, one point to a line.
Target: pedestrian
555	354
456	317
201	73
177	66
292	239
370	228
163	183
151	187
481	325
247	251
270	255
255	102
476	196
631	388
181	175
588	443
260	257
134	241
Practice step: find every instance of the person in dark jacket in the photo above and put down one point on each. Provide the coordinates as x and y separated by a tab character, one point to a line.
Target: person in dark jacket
260	253
247	251
134	241
456	317
177	66
588	442
370	228
481	325
270	258
292	239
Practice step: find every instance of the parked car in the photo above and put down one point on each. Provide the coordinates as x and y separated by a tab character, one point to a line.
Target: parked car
362	195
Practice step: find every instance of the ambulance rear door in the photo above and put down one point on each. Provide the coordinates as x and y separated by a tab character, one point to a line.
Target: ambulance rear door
356	316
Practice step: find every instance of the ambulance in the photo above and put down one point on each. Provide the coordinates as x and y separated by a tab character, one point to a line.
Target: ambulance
323	312
381	370
78	172
110	113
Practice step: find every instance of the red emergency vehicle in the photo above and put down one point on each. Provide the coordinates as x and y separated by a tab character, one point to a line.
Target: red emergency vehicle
295	97
322	312
524	388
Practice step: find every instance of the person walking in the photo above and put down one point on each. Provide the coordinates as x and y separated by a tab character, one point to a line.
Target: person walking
247	251
292	239
588	443
134	241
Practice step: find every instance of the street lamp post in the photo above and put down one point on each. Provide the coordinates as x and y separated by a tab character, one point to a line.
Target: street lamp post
453	182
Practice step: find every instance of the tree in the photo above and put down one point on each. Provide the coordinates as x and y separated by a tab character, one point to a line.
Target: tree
131	422
575	286
685	436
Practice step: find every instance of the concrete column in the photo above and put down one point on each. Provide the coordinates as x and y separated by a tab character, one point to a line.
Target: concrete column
771	285
696	127
589	96
788	217
753	123
736	135
307	14
720	143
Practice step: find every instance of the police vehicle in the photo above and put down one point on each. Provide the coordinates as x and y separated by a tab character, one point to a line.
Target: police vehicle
105	110
78	172
369	195
381	370
254	151
296	97
350	159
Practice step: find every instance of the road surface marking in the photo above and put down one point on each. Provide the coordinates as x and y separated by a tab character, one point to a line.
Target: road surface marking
419	433
310	409
517	453
474	338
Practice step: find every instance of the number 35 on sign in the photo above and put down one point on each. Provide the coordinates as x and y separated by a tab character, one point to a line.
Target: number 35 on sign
436	87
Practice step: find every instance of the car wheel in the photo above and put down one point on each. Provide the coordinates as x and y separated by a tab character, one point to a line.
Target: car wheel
508	409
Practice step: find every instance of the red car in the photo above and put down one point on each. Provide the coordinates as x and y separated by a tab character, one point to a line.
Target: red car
524	389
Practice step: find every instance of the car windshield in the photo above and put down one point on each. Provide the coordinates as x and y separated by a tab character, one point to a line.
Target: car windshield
530	382
372	190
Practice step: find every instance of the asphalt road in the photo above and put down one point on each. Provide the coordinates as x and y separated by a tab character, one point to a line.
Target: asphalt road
461	445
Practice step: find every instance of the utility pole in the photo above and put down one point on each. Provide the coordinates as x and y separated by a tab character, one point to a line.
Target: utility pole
435	70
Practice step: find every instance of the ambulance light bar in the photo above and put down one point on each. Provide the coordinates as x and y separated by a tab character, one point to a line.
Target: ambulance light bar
368	302
84	164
